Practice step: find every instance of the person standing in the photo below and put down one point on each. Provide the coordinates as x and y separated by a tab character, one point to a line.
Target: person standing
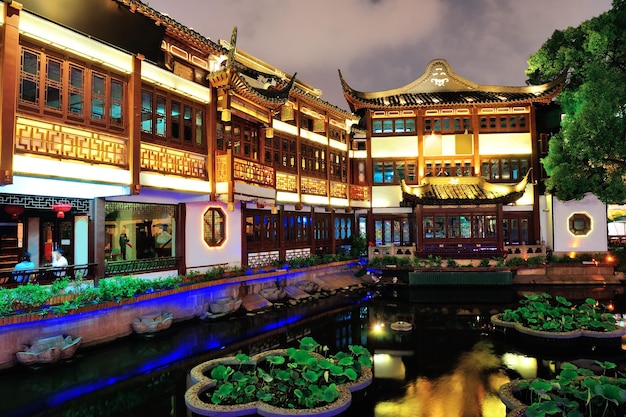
124	241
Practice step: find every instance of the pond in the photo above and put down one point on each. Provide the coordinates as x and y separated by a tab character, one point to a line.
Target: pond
450	363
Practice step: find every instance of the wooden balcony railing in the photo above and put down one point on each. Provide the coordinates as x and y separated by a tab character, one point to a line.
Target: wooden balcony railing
166	160
253	172
57	140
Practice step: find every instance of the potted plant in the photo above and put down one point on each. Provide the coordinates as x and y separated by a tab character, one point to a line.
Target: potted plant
543	318
284	382
575	392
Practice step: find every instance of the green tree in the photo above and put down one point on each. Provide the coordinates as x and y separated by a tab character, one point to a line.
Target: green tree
589	153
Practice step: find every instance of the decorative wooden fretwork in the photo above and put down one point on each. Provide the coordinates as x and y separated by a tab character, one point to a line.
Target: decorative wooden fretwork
314	186
222	170
44	203
297	253
338	190
257	259
141	209
249	171
359	193
286	182
53	139
172	161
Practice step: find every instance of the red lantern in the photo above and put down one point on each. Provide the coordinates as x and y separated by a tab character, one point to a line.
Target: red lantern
14	211
61	208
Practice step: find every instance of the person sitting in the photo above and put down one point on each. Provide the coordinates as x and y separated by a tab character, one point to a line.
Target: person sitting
59	261
24	265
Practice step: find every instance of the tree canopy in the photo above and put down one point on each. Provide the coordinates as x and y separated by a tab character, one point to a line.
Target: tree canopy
589	153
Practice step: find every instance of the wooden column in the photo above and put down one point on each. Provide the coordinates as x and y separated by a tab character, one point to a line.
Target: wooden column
134	136
179	242
97	227
9	67
210	132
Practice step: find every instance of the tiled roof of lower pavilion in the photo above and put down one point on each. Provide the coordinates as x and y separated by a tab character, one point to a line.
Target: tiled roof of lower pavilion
439	85
462	191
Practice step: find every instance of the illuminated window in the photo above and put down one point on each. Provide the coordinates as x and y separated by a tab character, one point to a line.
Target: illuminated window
393	126
68	90
214	226
171	118
579	224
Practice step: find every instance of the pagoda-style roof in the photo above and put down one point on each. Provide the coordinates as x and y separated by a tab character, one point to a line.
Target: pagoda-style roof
462	191
439	85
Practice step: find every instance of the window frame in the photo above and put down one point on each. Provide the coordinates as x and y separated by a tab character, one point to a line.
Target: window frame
75	80
210	228
166	126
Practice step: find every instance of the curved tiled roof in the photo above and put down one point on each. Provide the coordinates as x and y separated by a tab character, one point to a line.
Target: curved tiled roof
439	85
462	190
181	31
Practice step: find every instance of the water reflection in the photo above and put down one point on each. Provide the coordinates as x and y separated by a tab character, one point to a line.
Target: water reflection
469	389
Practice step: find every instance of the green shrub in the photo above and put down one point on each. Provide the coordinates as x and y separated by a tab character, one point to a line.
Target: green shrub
535	260
451	263
515	261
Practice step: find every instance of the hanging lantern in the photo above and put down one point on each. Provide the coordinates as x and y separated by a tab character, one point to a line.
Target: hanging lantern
61	209
14	211
286	112
319	126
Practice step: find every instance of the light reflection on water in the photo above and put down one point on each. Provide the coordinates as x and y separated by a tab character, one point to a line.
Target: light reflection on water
469	389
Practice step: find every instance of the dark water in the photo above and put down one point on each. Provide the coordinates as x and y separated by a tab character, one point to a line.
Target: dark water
450	364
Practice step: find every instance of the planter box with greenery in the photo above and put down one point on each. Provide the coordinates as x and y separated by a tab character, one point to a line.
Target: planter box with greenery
543	320
575	392
280	382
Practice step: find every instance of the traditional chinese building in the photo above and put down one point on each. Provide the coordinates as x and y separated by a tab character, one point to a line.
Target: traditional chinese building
135	143
454	166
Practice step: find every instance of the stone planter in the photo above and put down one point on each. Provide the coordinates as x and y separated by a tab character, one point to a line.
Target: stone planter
517	399
586	340
201	383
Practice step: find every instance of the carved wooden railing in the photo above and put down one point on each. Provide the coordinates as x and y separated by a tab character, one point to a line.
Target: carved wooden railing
253	172
286	182
57	140
166	160
359	193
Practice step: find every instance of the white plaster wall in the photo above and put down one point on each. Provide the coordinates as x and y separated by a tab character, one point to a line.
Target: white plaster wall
81	239
546	225
386	196
33	239
505	144
396	146
198	253
564	240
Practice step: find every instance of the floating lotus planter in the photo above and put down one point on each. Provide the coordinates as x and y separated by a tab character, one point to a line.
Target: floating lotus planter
542	320
289	382
575	392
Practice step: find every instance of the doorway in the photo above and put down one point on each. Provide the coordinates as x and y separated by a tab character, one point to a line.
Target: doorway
56	233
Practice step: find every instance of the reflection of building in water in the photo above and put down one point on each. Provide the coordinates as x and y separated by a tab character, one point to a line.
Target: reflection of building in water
468	390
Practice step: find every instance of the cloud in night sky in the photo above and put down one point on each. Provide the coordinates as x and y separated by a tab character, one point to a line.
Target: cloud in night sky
384	44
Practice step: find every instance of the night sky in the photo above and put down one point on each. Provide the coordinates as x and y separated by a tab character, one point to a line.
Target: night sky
384	44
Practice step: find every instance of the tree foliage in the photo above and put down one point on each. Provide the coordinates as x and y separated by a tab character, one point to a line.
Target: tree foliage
589	153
